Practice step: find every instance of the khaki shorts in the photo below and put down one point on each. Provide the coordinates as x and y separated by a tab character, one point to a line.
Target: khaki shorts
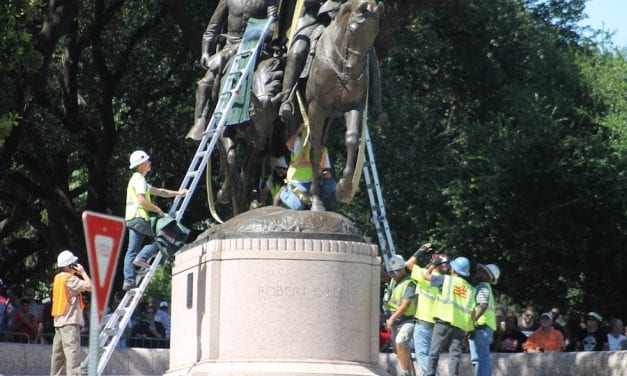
404	332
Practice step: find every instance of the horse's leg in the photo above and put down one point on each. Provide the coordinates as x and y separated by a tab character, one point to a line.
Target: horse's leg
345	185
316	127
228	160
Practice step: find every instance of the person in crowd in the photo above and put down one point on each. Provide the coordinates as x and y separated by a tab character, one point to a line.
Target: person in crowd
296	193
138	206
45	326
546	338
555	312
572	330
275	182
24	324
163	316
484	318
593	338
3	308
85	326
427	294
528	323
509	340
400	309
67	310
35	306
13	294
616	334
452	313
147	332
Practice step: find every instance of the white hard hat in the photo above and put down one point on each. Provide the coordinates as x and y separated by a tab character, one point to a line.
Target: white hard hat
395	263
280	162
493	271
66	258
137	157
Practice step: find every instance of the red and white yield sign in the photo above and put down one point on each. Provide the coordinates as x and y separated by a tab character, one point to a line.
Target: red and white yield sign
103	235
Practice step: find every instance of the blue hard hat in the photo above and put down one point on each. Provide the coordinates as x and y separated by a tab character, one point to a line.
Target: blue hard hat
461	265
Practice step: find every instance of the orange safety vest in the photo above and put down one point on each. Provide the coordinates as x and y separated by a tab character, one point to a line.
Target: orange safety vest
60	296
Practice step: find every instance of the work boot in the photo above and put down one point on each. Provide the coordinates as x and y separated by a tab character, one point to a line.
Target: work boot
141	263
128	285
196	131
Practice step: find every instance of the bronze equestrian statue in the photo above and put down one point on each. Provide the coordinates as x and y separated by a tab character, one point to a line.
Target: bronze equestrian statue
317	15
338	84
264	97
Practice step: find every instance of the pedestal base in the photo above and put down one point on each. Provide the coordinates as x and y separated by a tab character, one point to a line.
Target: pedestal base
276	303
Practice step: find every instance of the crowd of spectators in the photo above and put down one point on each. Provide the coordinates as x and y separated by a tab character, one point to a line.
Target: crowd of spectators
547	331
26	318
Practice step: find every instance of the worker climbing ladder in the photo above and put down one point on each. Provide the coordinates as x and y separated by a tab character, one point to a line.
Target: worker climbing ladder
375	196
239	74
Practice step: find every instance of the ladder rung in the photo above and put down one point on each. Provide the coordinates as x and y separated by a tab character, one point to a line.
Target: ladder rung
244	53
210	132
191	174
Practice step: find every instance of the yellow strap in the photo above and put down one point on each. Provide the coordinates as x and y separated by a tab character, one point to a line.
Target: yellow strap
298	10
210	199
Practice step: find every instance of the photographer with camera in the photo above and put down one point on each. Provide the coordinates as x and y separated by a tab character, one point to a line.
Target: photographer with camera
67	311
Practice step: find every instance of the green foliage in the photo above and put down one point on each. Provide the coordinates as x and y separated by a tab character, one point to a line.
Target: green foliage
16	51
161	284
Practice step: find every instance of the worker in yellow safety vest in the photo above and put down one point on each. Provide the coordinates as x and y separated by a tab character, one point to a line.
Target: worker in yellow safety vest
427	294
484	318
452	313
138	206
67	313
295	195
400	308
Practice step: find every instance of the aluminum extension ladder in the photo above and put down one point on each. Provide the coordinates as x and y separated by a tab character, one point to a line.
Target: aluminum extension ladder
377	205
113	329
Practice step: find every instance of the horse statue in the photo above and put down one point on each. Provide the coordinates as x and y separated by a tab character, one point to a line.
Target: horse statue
251	140
338	83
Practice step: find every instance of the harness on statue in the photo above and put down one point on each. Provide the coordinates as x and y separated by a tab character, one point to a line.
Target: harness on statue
304	197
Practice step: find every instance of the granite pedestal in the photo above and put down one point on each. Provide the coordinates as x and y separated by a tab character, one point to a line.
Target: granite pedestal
277	292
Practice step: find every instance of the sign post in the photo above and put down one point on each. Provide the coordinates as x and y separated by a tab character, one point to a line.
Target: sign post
103	236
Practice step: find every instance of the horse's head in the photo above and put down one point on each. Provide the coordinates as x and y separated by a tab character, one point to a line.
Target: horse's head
361	29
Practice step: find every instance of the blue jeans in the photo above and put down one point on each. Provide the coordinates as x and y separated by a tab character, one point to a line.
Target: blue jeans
291	200
422	343
135	241
480	351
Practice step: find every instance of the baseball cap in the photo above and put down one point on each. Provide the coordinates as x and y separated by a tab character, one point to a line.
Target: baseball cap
595	316
163	304
547	314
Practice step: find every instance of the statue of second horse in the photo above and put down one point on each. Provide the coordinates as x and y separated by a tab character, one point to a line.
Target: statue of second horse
338	84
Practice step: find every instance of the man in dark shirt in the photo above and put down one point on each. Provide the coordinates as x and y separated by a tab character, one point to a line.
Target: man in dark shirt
148	332
511	340
593	338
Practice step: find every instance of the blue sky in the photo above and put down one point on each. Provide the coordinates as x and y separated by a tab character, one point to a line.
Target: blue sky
609	15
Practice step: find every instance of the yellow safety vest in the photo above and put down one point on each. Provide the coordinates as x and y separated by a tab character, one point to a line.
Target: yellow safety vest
489	316
396	297
427	294
60	296
132	199
455	303
300	165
